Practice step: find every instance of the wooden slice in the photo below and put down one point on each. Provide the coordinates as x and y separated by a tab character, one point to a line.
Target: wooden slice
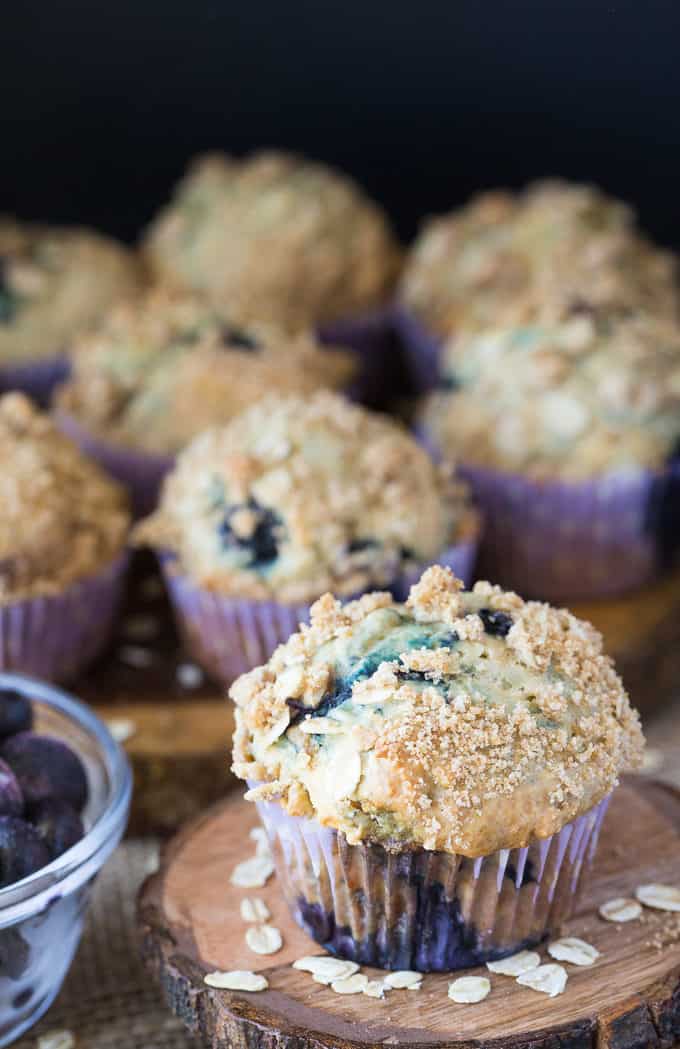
190	924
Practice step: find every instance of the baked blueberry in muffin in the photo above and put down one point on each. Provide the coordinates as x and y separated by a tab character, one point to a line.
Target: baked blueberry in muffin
276	236
158	371
433	760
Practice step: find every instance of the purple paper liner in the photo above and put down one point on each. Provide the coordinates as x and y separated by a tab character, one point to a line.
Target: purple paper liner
56	637
382	376
421	351
36	378
229	636
142	473
428	911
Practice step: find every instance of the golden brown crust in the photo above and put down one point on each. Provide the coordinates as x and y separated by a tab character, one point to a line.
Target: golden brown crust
61	517
380	722
277	237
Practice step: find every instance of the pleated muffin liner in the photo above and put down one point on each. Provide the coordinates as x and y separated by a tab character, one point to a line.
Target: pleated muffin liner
382	377
421	351
55	637
37	378
427	911
228	636
142	473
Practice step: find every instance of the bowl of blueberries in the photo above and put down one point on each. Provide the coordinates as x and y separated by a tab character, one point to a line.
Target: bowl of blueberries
65	788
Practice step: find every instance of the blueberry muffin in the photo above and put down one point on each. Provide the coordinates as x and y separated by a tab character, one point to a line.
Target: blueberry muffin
534	256
278	236
158	371
435	757
63	529
54	282
568	433
294	497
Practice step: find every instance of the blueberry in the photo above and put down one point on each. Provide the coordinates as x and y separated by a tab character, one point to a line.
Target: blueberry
57	823
16	713
263	542
356	546
238	339
22	850
495	623
11	798
45	768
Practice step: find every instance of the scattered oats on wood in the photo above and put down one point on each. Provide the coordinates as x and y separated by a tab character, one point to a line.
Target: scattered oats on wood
320	727
325	969
374	989
56	1040
253	909
660	897
122	729
264	939
355	984
403	978
189	675
467	990
253	873
238	980
620	909
516	964
571	949
548	979
141	627
259	836
135	656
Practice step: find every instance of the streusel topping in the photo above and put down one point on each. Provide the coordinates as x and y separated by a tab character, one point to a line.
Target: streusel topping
61	517
157	372
579	399
297	496
536	256
276	235
53	283
463	721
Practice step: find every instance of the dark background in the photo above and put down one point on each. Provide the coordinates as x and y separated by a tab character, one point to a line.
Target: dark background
103	102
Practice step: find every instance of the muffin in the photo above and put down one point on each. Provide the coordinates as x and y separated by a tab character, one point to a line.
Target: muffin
278	236
294	497
159	371
63	528
432	775
568	433
53	282
537	256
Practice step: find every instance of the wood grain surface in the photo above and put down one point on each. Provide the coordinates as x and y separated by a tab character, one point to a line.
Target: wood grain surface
190	924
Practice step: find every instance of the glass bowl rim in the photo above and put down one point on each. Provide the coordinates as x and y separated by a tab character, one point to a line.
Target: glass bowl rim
82	860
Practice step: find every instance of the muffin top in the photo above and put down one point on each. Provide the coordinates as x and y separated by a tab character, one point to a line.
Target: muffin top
53	282
300	495
569	400
534	256
61	517
158	371
283	238
461	721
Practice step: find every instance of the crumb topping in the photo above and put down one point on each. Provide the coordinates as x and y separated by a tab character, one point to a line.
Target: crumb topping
575	399
62	518
157	372
55	282
278	236
462	721
297	496
537	256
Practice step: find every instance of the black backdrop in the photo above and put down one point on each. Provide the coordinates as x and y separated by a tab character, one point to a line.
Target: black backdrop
103	101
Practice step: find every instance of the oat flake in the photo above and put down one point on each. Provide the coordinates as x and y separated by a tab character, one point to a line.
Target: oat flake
620	909
516	964
264	939
548	979
403	978
237	980
355	984
325	969
571	949
467	990
374	989
259	836
253	909
660	897
122	729
56	1040
252	873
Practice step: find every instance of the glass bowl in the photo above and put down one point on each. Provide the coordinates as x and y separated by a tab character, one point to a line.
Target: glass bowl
41	917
